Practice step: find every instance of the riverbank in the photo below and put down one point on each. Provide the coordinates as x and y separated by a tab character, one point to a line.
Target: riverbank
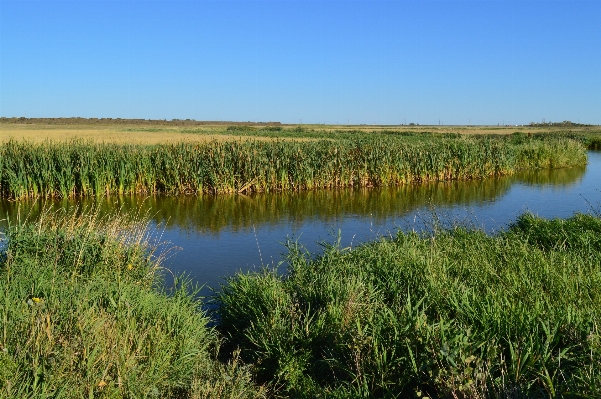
77	168
453	313
457	313
83	314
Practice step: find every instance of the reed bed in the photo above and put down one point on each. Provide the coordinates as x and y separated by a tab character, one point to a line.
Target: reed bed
454	314
595	143
79	168
590	139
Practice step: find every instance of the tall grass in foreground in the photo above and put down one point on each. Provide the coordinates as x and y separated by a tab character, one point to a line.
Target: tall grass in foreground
458	314
82	315
81	169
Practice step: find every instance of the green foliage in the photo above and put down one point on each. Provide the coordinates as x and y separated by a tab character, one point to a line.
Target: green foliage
595	143
454	314
579	233
82	315
590	139
457	314
79	169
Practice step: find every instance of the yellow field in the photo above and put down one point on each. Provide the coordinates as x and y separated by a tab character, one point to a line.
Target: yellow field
141	134
106	133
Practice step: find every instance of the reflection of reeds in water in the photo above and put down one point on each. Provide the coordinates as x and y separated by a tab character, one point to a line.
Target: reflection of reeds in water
556	177
212	214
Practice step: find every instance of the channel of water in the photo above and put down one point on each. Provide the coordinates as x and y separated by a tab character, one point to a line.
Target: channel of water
218	236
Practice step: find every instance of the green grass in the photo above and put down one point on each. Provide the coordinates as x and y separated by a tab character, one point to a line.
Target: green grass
452	314
278	132
590	139
83	315
78	168
456	314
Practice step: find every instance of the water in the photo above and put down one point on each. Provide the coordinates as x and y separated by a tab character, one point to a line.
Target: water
221	235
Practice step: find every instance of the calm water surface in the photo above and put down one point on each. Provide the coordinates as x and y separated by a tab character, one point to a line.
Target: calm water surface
223	234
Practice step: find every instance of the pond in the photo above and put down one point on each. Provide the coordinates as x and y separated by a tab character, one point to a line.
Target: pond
220	235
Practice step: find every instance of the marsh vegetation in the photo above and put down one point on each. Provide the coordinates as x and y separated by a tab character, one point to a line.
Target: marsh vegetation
451	313
88	308
84	313
76	168
455	313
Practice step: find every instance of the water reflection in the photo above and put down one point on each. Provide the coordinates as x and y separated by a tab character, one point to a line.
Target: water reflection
555	177
241	213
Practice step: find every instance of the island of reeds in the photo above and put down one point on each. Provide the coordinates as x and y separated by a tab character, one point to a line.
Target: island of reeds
453	313
343	159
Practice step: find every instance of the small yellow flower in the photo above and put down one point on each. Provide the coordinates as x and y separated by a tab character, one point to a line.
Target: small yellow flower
34	300
102	384
130	266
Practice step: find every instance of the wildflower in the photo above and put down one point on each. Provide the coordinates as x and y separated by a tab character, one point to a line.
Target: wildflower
34	300
102	384
130	267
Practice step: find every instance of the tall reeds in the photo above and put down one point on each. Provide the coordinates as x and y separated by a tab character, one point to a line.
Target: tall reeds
80	169
595	143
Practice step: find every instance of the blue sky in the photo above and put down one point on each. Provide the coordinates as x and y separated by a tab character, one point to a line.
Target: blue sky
384	62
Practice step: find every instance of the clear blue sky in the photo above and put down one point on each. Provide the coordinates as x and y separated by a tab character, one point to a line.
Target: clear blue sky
390	62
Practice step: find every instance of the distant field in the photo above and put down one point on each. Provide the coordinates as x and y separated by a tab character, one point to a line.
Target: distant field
139	133
105	133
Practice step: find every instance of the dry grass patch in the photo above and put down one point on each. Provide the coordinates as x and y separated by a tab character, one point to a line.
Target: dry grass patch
115	134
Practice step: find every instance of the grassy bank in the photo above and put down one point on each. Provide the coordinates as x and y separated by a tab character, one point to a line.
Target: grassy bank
452	314
80	168
456	314
82	314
